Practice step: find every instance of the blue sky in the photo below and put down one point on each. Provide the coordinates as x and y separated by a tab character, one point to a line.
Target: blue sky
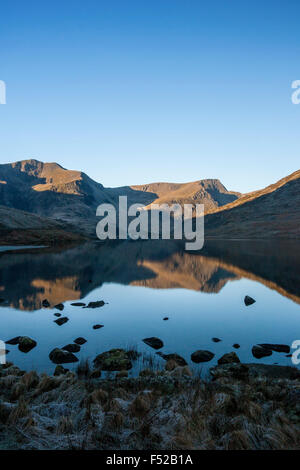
163	90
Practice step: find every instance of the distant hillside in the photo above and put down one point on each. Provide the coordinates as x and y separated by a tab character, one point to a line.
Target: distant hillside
209	192
273	212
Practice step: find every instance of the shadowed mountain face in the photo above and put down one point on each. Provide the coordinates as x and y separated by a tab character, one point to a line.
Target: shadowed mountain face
71	274
273	212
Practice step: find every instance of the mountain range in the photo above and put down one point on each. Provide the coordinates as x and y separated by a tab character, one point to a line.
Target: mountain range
41	201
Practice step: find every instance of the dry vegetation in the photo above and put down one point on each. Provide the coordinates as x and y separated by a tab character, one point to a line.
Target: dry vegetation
168	409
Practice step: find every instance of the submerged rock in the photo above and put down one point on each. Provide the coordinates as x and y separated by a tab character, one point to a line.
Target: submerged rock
45	303
216	340
236	346
57	314
78	304
202	356
153	342
26	344
97	304
259	352
80	341
229	358
248	300
74	348
59	356
61	321
59	306
114	359
276	347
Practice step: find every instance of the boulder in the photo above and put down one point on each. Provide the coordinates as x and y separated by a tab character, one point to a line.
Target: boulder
248	300
78	304
180	361
59	356
229	358
73	348
80	341
95	374
97	304
45	303
202	356
277	347
61	321
114	359
96	327
59	306
259	352
26	344
155	343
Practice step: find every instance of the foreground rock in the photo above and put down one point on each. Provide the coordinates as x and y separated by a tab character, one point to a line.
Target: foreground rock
114	359
26	344
202	356
248	300
229	358
259	351
154	342
59	356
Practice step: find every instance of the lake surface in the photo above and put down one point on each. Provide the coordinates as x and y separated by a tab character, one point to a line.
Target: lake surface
201	293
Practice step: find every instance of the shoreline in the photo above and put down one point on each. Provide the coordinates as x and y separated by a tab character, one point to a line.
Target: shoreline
243	406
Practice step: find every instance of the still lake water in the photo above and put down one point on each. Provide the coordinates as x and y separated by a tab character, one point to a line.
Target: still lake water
201	293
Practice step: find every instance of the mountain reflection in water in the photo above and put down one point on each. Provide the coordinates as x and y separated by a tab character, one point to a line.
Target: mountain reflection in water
27	278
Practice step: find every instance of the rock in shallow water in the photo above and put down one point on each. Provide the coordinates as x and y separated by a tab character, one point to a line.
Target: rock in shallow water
216	340
154	342
73	348
59	356
97	304
61	321
180	361
45	303
259	352
97	327
114	359
276	347
202	356
80	341
248	300
59	307
229	358
78	304
26	344
13	341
